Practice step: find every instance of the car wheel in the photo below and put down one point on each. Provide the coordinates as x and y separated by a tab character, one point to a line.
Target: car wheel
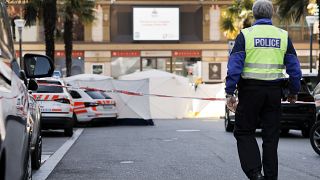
305	132
28	169
228	126
36	154
315	137
284	132
68	132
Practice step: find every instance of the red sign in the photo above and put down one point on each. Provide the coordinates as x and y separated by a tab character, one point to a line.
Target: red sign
74	54
125	53
17	54
187	53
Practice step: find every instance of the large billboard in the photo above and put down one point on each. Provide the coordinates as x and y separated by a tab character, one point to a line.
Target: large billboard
156	23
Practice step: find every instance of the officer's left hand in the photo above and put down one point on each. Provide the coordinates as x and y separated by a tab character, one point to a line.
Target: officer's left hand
232	103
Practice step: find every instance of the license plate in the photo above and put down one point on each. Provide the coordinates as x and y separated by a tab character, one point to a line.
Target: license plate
45	110
107	107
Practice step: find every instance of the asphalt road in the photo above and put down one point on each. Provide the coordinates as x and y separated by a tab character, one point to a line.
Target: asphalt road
174	149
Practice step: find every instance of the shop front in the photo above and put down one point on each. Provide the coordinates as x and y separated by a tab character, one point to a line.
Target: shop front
185	63
77	66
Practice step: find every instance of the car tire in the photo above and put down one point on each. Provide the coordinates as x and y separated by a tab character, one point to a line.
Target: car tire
68	132
36	154
284	132
314	137
28	169
227	125
305	132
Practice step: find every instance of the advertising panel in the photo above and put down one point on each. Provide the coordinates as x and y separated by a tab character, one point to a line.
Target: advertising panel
156	23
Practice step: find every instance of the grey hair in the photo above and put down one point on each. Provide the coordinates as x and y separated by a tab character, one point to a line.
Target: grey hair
262	9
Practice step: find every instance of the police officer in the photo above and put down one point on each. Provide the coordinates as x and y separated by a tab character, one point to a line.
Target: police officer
255	68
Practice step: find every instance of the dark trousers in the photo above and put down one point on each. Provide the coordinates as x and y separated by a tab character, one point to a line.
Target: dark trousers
259	104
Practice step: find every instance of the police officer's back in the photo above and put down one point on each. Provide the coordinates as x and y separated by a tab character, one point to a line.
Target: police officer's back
255	68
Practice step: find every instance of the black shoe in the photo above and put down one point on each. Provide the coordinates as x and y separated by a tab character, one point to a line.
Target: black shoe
257	176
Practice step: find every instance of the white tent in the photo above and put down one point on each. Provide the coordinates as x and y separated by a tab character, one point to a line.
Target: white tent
164	83
209	108
86	77
129	107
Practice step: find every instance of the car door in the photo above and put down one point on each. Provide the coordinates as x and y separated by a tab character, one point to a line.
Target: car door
13	106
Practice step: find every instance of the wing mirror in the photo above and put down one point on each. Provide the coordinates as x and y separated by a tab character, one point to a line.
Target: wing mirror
37	66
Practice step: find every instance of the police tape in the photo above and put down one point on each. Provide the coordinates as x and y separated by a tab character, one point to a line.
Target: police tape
132	93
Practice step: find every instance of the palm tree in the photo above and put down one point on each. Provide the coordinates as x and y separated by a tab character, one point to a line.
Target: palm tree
82	9
295	10
237	16
47	11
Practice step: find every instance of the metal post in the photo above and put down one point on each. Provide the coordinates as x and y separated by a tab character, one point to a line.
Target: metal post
311	39
20	47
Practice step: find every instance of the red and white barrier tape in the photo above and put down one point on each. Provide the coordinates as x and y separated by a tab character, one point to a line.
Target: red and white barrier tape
131	93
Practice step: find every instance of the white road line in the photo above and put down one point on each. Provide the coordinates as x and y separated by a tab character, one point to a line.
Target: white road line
52	162
188	130
44	158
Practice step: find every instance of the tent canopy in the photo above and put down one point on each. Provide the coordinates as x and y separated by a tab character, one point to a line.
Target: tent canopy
86	77
164	83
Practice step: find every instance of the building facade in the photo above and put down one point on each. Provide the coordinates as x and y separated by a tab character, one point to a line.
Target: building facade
182	37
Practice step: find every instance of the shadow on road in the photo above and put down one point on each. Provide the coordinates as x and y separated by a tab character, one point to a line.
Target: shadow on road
291	135
53	133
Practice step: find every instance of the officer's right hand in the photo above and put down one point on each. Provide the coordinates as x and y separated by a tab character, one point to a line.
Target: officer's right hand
232	103
292	98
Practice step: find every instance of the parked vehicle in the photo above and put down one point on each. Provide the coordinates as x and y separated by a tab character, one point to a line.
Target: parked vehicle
315	137
36	138
56	74
92	105
15	124
299	116
55	105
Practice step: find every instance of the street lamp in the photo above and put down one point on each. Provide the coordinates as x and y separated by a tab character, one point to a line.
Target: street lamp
310	21
20	24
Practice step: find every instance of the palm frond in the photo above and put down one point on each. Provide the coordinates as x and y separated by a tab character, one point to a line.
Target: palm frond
291	9
247	4
227	24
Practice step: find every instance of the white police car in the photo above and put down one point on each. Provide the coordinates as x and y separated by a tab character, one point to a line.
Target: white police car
92	105
55	104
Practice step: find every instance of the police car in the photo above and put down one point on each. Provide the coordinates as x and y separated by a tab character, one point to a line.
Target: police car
55	104
92	105
298	116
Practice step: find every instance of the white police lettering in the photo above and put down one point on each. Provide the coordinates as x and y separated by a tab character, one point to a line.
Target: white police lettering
267	42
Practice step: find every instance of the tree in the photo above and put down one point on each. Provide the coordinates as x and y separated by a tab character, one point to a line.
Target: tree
296	9
82	9
237	16
46	10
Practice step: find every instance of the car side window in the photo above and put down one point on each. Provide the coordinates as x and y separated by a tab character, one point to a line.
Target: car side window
75	94
317	90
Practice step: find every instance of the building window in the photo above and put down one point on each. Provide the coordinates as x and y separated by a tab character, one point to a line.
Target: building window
97	69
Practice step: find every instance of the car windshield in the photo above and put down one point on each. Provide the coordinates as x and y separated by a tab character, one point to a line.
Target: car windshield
105	95
311	82
96	94
304	88
43	88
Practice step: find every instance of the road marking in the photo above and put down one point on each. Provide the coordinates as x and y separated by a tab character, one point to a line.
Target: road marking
46	169
188	130
169	140
44	158
126	162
